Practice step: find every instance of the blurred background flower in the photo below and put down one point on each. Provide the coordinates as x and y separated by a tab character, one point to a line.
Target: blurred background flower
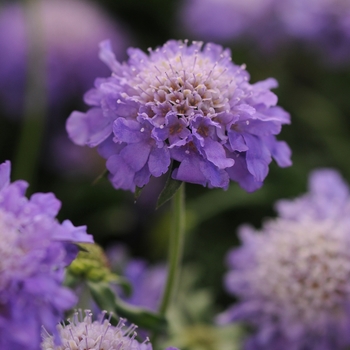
271	26
68	33
323	25
71	31
292	277
225	21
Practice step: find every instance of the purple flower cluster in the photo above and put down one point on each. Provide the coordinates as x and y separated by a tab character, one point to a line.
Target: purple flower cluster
293	276
71	31
35	249
185	103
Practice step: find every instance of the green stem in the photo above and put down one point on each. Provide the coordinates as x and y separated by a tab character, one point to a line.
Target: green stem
176	242
33	122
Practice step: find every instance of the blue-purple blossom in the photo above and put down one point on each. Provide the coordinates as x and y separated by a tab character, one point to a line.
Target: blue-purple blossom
321	24
147	281
252	22
82	333
186	105
292	277
35	249
71	31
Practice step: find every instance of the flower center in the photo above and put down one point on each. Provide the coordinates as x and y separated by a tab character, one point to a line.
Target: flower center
186	82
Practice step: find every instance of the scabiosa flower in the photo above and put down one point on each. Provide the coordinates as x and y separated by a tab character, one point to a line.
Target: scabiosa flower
35	249
71	31
228	21
186	103
321	24
226	18
292	277
147	281
84	333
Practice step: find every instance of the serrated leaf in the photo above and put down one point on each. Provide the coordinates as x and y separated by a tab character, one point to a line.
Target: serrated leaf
107	300
170	188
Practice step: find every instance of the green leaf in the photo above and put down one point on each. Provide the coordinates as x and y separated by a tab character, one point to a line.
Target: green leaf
123	282
170	188
103	295
107	300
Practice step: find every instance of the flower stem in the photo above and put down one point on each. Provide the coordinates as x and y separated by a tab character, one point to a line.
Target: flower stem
33	122
176	242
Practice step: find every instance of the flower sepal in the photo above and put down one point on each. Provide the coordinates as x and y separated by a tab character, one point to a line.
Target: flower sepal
170	188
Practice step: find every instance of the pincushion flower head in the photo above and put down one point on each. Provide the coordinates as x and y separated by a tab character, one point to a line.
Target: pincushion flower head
35	249
185	103
82	333
293	276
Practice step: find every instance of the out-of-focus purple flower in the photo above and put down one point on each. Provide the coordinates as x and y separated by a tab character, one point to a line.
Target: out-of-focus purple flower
71	160
292	277
147	281
71	31
187	103
321	24
228	21
83	333
35	249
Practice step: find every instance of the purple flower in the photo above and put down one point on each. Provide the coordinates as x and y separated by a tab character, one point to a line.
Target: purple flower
322	24
186	103
83	333
147	281
228	21
147	284
71	32
35	249
292	276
